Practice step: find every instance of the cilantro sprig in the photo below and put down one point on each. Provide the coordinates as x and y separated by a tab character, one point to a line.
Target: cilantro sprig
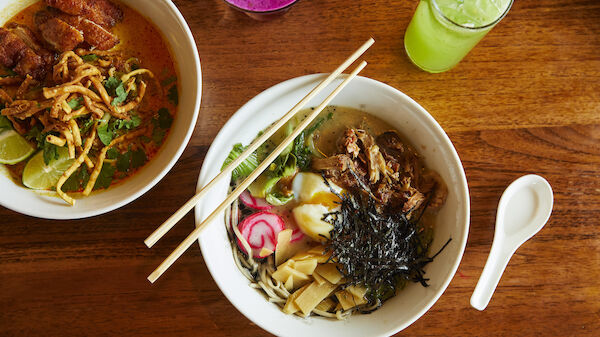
173	95
75	103
116	89
90	57
77	181
110	128
105	177
161	122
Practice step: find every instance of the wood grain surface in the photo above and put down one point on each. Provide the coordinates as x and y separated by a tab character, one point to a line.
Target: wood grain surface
525	100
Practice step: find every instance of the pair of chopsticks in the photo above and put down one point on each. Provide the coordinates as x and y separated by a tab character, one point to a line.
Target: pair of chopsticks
194	235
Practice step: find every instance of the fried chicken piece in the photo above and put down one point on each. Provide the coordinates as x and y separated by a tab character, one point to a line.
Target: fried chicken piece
94	34
102	12
60	35
17	55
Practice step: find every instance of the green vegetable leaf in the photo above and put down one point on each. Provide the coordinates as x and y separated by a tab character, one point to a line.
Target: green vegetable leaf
50	152
168	81
132	123
145	139
302	153
121	95
75	103
112	153
77	181
138	158
173	95
90	57
317	124
111	84
105	134
246	167
5	124
85	127
164	118
33	133
105	177
276	199
124	161
157	135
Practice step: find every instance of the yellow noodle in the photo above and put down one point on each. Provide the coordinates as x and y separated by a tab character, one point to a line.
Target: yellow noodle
17	107
83	71
24	87
56	140
130	85
75	131
102	155
60	71
69	137
86	160
102	90
132	104
107	99
88	145
56	91
81	51
79	112
97	112
64	57
126	77
104	63
23	109
65	106
57	105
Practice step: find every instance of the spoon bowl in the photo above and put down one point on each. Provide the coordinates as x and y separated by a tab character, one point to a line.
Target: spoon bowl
524	209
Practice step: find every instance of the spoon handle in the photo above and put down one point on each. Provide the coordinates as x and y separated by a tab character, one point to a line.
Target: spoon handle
494	267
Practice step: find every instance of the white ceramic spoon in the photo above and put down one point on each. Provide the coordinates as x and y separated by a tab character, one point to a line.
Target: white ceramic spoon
524	209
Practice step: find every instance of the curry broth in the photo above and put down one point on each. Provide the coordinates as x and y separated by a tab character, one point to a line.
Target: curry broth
141	39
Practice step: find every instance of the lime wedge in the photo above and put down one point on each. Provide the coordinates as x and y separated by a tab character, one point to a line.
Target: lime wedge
13	148
39	176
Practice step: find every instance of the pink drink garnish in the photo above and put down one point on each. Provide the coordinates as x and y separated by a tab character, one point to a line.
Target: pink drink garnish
261	5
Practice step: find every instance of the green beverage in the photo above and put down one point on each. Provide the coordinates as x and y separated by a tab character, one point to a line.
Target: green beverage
442	32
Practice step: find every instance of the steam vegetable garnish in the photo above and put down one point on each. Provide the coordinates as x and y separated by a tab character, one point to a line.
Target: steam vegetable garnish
295	158
340	221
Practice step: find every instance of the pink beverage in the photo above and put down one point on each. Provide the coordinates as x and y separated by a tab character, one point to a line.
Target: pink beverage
262	9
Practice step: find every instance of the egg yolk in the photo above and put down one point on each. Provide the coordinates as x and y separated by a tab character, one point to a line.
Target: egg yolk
326	199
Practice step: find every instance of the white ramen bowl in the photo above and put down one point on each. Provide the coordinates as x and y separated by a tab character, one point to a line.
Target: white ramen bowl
419	128
175	30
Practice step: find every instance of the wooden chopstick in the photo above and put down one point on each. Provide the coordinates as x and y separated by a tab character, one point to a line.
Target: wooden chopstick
173	219
183	246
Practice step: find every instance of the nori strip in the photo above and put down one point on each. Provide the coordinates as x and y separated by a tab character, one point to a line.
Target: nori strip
377	248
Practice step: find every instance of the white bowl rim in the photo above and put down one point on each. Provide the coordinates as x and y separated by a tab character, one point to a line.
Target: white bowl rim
189	39
203	179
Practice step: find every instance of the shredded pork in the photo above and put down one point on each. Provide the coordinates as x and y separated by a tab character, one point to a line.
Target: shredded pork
392	171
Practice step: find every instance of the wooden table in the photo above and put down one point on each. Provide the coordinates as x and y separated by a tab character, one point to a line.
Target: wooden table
526	100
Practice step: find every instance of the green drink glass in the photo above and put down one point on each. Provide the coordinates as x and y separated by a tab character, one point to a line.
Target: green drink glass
442	32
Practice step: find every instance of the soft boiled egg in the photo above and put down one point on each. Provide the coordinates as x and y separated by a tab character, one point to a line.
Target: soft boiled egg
308	217
310	188
316	200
